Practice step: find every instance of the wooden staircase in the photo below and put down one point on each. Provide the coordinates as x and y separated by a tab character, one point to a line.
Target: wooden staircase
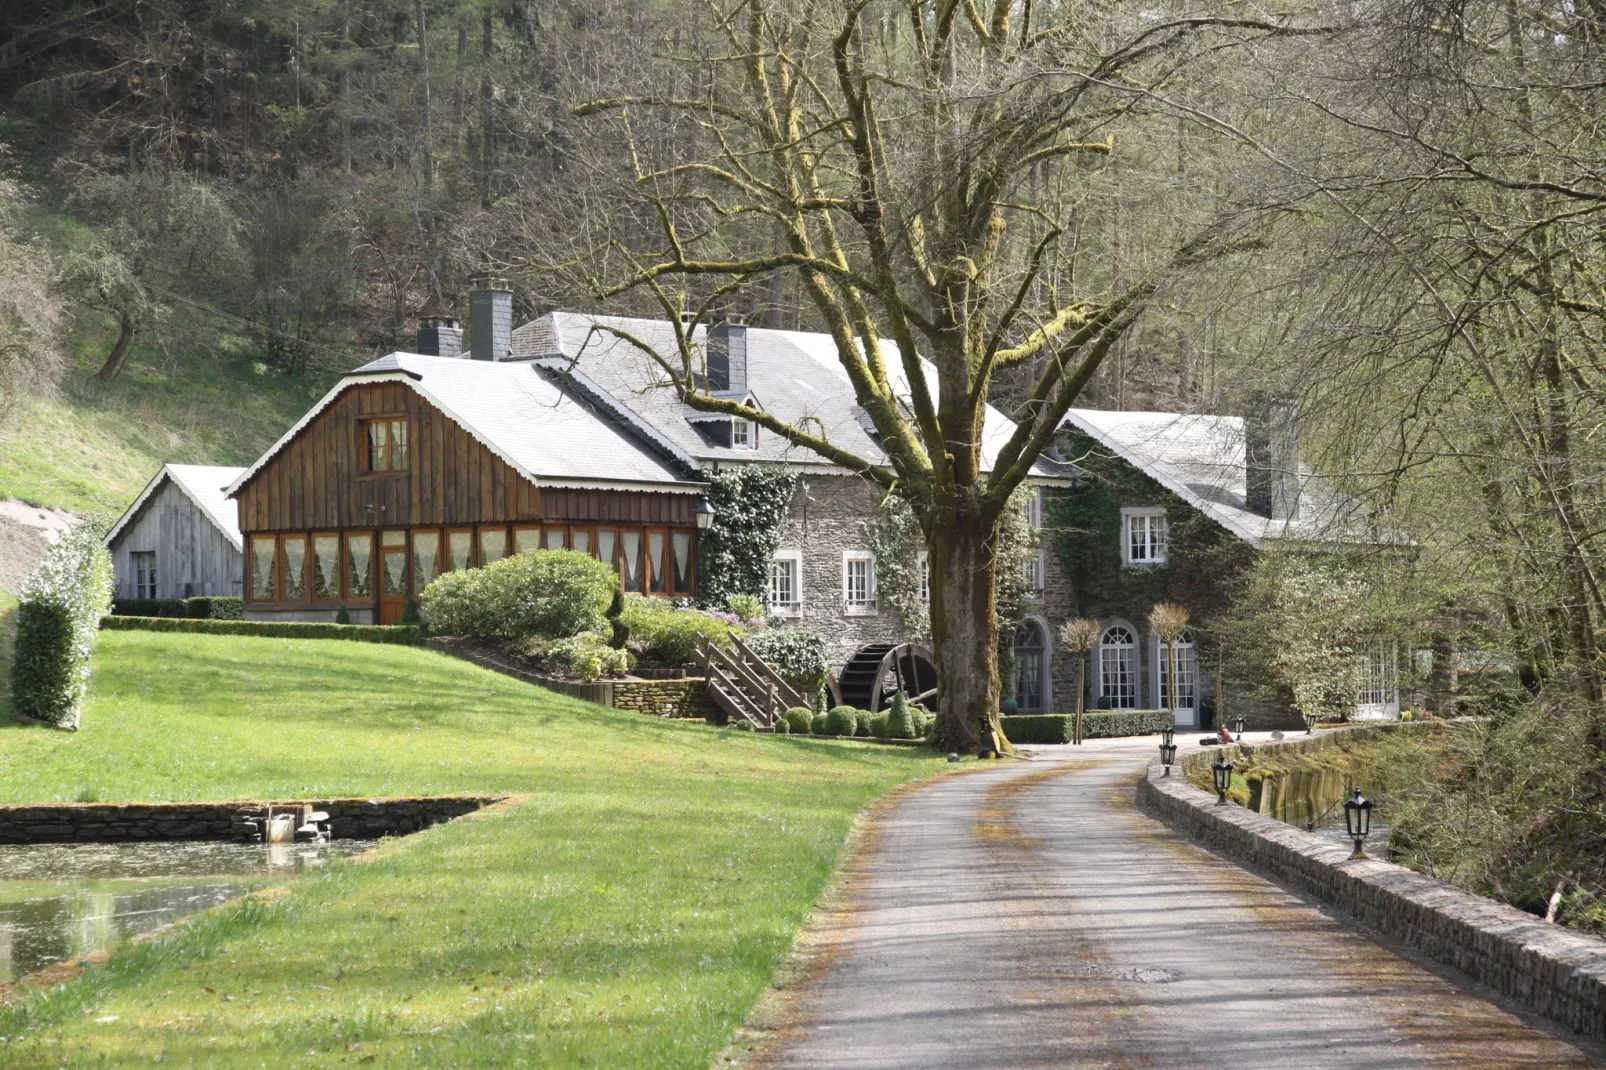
744	685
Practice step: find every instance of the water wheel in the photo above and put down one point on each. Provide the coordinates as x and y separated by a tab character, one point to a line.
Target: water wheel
878	671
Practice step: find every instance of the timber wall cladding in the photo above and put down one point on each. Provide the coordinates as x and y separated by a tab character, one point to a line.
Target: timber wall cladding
318	480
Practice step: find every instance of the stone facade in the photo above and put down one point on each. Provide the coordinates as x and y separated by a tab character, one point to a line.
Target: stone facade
135	822
663	698
827	518
1551	970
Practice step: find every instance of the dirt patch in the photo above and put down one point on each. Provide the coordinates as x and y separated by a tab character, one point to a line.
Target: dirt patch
26	533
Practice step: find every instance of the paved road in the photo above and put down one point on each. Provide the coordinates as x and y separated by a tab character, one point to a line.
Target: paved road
1029	916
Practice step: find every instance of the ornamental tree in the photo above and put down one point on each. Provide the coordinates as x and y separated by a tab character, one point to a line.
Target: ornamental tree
919	173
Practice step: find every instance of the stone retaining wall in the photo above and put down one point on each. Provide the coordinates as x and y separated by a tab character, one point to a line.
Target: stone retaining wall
1554	971
362	819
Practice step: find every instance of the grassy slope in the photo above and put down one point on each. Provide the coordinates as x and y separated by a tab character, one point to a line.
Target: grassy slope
97	444
625	915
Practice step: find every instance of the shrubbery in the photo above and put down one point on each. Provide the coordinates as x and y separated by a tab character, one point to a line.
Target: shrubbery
275	629
798	655
661	634
799	720
781	727
841	721
900	724
61	606
588	656
875	725
203	607
547	594
817	725
1096	724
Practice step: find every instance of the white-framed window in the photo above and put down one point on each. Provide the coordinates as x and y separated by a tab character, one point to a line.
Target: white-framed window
1034	510
1118	668
1377	695
858	583
1034	571
1187	655
1027	683
144	573
1145	536
923	576
786	583
744	435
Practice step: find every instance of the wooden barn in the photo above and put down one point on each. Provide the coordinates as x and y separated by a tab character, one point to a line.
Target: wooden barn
180	538
414	465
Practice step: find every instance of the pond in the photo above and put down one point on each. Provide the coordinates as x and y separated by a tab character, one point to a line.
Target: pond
59	901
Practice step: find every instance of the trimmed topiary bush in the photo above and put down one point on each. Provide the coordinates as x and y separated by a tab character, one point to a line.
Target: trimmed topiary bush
61	606
1096	724
799	720
876	725
742	726
900	725
781	727
841	721
546	594
276	629
817	725
201	607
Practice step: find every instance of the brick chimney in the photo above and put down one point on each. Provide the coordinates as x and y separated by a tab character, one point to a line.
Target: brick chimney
490	319
1271	458
439	336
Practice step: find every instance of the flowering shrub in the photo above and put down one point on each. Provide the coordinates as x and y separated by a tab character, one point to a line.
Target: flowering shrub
662	634
798	655
61	606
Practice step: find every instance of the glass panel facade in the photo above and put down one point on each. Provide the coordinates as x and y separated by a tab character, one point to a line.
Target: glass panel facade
359	566
655	558
459	544
526	539
580	540
295	568
264	581
398	444
680	542
393	563
1029	660
493	545
426	558
555	538
632	556
608	546
378	447
1187	675
325	567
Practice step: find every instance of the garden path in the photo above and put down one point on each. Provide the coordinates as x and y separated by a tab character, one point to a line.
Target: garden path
1027	915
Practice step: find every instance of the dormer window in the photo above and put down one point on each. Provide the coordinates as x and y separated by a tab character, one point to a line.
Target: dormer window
1145	537
744	435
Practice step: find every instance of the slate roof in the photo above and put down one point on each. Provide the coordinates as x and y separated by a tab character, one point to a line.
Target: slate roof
204	485
794	375
1200	459
549	436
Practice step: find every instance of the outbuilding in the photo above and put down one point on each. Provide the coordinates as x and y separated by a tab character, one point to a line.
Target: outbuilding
181	537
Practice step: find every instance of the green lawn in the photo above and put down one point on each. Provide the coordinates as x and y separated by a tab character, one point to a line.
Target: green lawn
626	915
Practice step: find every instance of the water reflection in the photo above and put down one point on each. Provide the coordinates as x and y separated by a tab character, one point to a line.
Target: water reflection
58	901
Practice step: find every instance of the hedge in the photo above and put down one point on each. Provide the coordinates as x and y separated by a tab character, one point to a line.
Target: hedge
58	606
202	607
361	633
1096	724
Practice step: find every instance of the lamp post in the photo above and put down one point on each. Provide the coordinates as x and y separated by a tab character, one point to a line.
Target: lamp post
1310	722
1238	724
704	513
1223	771
1168	754
1358	821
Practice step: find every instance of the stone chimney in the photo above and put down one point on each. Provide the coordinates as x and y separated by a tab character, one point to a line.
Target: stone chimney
439	336
490	319
727	355
1271	458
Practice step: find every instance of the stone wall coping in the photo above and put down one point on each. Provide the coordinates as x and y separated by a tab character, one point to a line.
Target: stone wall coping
1556	972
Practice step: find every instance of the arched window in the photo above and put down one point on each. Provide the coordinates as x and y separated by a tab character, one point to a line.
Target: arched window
1187	656
1027	685
1118	669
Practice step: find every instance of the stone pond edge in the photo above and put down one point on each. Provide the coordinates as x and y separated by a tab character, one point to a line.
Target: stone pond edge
1553	971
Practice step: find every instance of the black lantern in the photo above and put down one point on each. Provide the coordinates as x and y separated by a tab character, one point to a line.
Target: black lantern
1168	736
1358	821
1168	753
1238	726
1223	771
704	513
1310	722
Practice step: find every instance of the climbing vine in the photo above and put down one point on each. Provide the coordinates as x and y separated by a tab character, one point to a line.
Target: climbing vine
751	504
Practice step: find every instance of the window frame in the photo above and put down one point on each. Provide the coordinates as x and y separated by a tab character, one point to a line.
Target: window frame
483	530
1160	548
251	568
1162	668
1135	669
794	608
366	447
340	566
871	605
446	548
524	529
749	434
923	577
144	584
347	572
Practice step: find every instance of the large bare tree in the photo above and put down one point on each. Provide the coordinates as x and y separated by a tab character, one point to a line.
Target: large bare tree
920	173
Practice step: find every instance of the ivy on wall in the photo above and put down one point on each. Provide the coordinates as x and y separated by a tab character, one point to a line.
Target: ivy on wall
1205	565
751	504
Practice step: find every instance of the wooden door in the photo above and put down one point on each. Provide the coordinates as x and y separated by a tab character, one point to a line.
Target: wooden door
392	576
